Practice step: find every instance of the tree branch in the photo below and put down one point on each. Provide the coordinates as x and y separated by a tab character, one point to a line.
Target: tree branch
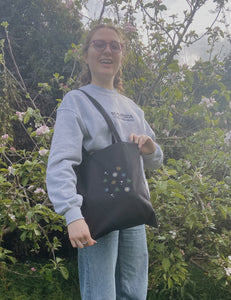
177	46
102	11
14	62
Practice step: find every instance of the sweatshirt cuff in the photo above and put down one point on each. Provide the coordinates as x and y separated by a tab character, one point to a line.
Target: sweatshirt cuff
73	214
154	160
158	154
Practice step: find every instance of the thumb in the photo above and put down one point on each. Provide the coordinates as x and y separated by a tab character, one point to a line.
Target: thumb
91	241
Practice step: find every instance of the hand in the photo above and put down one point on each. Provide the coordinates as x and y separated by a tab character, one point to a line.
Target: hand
79	234
145	143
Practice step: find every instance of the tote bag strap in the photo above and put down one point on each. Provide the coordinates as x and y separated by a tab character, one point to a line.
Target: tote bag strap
100	108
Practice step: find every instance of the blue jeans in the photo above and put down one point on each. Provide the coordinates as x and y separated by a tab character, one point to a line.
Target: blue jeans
116	268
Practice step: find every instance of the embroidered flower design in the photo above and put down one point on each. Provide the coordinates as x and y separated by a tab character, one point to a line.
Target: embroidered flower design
116	181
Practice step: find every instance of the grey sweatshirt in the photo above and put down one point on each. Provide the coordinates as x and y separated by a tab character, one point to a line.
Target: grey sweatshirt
79	123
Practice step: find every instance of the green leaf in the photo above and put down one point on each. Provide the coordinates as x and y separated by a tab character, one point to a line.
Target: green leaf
64	272
171	172
24	181
162	186
174	67
5	24
23	236
170	283
12	259
37	232
166	264
58	259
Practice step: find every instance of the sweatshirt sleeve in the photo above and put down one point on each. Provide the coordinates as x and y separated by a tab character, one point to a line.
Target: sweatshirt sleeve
65	152
154	160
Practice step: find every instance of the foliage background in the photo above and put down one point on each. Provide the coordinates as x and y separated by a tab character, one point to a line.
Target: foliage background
188	107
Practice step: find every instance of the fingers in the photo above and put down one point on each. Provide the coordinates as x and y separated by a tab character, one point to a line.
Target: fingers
79	234
76	244
144	142
82	243
140	140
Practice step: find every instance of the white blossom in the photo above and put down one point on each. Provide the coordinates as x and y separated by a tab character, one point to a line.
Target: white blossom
43	152
188	164
228	271
228	137
173	234
11	170
208	102
12	216
42	130
39	191
20	115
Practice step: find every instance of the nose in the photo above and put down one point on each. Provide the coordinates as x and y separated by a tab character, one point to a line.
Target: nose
107	48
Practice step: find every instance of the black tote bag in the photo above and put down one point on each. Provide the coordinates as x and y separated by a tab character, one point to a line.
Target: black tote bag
111	182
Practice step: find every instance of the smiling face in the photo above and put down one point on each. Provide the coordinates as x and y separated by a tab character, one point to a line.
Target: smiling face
103	64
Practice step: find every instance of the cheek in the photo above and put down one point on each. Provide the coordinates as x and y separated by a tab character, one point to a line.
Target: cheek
90	57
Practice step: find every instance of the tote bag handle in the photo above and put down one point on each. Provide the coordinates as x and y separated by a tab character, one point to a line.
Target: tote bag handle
100	108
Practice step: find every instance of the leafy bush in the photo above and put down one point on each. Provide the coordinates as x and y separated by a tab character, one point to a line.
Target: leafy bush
189	110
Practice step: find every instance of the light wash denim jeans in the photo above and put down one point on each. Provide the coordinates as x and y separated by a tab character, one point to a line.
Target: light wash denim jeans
116	268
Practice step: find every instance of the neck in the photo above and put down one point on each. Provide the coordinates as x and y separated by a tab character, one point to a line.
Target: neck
105	84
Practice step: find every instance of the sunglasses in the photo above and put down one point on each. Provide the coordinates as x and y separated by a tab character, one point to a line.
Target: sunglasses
100	45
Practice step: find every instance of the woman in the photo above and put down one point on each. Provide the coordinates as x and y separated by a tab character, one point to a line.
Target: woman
116	265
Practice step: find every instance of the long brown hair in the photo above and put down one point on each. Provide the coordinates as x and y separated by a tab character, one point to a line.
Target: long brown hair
86	76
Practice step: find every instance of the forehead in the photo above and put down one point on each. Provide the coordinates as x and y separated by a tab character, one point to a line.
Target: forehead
106	34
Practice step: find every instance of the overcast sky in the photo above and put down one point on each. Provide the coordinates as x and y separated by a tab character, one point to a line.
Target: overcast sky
204	18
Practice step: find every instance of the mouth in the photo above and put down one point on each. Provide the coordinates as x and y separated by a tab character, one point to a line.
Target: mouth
106	61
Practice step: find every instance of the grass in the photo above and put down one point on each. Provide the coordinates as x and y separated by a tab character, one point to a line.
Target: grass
20	283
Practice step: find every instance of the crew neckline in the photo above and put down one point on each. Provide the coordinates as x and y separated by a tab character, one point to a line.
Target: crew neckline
101	89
